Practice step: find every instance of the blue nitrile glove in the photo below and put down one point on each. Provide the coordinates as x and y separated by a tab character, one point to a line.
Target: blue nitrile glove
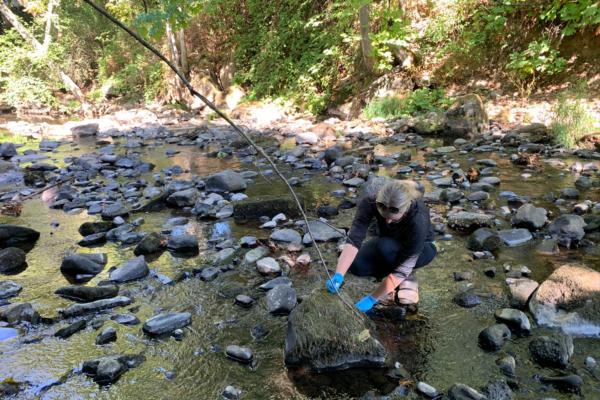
335	283
366	303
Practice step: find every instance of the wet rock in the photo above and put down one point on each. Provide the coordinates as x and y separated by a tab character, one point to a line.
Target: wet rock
469	221
515	237
530	217
75	310
467	299
248	242
516	320
84	128
9	289
269	206
7	150
240	354
166	322
324	335
19	312
322	232
225	181
520	291
135	268
12	259
458	391
183	198
17	236
256	254
569	193
552	352
108	335
89	228
493	337
590	363
86	294
507	365
70	330
484	239
209	274
547	247
183	243
268	266
478	196
281	280
281	300
83	266
568	229
125	319
497	390
93	239
224	255
114	210
231	393
427	390
107	370
569	299
244	301
354	182
569	383
286	236
150	244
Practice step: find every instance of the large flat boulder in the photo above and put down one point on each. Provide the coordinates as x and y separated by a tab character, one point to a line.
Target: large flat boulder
323	334
225	181
254	208
569	299
17	236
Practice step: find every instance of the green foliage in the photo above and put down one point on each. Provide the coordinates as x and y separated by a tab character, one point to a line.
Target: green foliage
394	34
574	15
420	101
572	119
539	60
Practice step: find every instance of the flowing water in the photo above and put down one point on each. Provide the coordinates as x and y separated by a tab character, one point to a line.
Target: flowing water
439	346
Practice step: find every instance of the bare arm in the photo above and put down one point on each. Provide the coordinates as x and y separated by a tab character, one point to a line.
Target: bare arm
345	259
394	279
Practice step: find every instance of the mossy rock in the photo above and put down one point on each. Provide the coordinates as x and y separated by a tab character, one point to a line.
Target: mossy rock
269	206
324	334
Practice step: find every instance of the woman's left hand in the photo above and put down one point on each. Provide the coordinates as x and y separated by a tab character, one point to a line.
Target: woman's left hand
366	303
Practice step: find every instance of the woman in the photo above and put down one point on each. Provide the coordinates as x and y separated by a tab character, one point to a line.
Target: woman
405	242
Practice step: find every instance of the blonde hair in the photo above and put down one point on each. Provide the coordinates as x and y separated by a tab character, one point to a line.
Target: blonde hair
398	193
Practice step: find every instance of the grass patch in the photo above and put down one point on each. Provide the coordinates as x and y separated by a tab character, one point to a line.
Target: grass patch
572	119
419	101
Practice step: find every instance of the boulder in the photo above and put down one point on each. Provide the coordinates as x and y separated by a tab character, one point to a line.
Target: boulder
552	351
516	320
225	181
469	221
466	117
87	294
520	290
85	128
19	312
493	337
322	232
17	236
569	299
281	300
286	236
183	198
429	124
268	266
114	210
83	266
151	243
530	217
183	243
325	335
568	229
9	289
108	335
136	268
12	259
484	239
166	323
515	237
254	208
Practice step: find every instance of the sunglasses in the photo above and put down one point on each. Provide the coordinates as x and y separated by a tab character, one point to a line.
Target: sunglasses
383	208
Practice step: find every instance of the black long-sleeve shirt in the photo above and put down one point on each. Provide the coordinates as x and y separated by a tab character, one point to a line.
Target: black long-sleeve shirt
411	232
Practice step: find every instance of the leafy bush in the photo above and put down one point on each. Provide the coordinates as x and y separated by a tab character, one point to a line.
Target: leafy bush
572	119
419	101
539	60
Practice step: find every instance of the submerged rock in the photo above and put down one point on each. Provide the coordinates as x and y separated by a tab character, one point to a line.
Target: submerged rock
552	352
568	229
19	312
136	268
151	243
166	322
9	289
515	237
70	330
281	300
108	335
11	259
107	370
530	217
493	337
17	236
569	299
459	391
325	335
484	239
86	294
75	310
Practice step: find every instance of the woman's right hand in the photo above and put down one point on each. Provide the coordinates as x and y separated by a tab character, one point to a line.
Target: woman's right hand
335	283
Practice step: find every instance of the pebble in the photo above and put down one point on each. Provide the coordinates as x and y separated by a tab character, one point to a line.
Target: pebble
427	390
240	354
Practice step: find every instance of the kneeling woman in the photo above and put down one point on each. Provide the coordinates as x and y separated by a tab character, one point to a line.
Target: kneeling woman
405	242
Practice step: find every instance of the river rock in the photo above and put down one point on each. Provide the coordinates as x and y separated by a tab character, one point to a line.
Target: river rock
569	383
86	294
520	290
70	330
325	335
84	128
467	299
238	353
83	266
268	266
286	236
552	352
107	370
114	210
281	300
568	229
224	255
166	323
280	280
108	335
75	310
469	221
530	217
569	299
7	150
507	365
254	208
459	391
497	390
11	259
231	393
493	337
516	320
135	268
515	237
89	228
19	312
93	239
151	243
427	390
244	301
209	274
225	181
354	182
255	254
322	232
183	243
183	198
17	236
9	289
466	117
484	239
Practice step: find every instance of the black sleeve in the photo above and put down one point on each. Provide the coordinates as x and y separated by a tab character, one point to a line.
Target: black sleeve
362	219
419	226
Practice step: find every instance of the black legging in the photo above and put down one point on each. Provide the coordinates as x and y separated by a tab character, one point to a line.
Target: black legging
379	257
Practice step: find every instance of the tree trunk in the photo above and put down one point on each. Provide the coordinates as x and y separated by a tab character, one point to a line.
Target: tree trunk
365	40
39	48
48	30
185	67
172	45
